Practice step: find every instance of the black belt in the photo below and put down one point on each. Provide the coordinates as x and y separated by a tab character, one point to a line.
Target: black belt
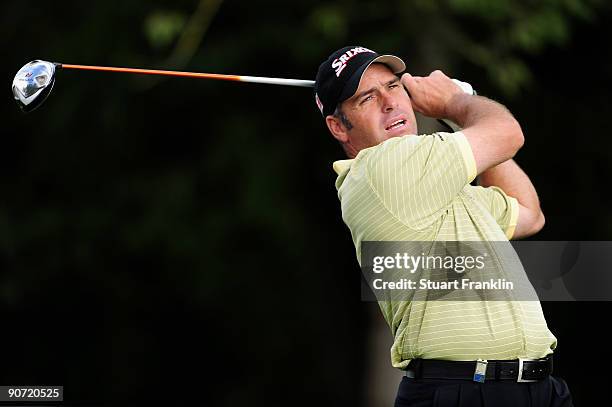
520	370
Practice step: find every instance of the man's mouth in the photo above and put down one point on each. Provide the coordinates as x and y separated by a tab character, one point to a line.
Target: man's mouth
396	125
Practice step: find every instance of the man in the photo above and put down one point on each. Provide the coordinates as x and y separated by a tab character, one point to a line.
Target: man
397	186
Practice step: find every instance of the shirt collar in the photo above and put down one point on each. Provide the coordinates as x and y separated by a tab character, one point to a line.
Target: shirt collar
341	166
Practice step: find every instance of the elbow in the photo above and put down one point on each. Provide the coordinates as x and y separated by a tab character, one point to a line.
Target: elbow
515	136
536	225
530	226
539	223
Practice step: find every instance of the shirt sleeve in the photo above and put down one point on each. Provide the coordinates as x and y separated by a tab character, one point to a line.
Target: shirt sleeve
504	208
416	177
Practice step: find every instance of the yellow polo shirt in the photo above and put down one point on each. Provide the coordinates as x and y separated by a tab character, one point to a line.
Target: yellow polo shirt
417	188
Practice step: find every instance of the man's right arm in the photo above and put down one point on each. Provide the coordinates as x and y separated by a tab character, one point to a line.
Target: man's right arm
494	136
493	133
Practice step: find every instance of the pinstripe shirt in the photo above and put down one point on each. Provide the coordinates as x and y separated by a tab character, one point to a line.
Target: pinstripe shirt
417	188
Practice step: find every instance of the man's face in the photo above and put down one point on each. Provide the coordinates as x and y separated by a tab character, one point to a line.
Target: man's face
379	109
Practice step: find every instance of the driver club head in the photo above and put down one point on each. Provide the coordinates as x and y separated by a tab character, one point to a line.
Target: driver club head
33	83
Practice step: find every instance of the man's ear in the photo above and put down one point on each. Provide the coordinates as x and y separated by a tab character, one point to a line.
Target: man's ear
337	129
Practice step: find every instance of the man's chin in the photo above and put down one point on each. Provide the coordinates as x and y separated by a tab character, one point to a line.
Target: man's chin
406	130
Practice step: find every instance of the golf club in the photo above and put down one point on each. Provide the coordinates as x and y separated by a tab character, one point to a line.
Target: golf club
34	81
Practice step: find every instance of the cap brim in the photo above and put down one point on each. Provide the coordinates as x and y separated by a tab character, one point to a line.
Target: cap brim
394	63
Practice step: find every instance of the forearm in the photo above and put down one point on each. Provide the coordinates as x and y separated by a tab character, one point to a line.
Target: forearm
513	181
493	132
469	110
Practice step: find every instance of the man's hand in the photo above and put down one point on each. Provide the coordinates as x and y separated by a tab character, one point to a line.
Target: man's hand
430	95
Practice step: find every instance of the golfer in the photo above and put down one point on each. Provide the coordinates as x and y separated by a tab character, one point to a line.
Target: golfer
397	185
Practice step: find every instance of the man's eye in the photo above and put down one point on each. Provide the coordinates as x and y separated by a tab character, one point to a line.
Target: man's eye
393	86
366	99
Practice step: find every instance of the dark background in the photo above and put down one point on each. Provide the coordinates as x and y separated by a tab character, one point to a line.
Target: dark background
181	239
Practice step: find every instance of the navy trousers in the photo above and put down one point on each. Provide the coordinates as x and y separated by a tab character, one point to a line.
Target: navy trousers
550	392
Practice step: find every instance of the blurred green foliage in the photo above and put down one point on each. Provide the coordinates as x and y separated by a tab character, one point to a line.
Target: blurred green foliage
163	27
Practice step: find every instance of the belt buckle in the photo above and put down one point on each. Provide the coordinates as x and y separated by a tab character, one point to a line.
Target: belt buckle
519	378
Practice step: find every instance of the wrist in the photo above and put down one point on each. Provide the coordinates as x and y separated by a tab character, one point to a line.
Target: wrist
456	108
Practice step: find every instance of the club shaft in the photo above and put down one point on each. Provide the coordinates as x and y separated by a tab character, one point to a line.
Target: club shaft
235	78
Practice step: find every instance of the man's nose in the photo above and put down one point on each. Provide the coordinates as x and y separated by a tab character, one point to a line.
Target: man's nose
388	102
